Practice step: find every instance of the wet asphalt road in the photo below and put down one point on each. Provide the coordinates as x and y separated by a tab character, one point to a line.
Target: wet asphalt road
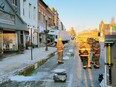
77	76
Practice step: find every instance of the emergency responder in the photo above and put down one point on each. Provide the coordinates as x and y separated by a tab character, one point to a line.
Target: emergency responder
93	50
84	53
81	46
96	53
84	56
91	41
60	49
80	52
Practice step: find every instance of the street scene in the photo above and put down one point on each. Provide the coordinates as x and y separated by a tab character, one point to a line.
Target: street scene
43	75
46	43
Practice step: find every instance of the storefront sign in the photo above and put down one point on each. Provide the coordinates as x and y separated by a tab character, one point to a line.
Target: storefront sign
7	18
6	21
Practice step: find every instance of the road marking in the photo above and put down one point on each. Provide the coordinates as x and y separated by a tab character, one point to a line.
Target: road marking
91	77
70	81
85	80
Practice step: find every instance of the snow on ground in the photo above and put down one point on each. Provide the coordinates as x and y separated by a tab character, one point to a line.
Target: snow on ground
34	77
14	64
71	50
66	58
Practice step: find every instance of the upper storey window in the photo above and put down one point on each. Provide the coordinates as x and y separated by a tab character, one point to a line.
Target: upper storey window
15	2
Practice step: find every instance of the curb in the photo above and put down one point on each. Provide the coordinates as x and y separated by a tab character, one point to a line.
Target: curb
4	78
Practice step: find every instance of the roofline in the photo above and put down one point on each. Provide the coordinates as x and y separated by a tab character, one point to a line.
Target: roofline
44	3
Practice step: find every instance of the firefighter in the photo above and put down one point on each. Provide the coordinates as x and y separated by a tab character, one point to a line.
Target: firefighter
60	49
81	46
96	53
84	56
83	53
80	52
91	41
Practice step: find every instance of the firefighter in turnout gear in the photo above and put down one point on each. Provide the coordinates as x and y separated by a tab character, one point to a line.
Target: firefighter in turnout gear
84	53
84	56
91	42
96	53
60	49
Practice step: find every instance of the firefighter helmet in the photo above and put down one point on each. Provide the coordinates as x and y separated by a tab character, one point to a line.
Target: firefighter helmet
60	39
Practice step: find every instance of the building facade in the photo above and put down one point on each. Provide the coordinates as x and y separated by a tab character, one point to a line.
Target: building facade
12	27
46	20
28	11
56	17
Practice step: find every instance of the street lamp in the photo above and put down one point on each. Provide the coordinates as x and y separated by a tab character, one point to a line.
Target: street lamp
46	33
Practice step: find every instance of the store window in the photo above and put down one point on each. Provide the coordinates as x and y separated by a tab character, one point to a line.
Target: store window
10	41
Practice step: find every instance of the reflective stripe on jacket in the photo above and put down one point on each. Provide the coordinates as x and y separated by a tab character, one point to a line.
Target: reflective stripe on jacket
97	54
84	55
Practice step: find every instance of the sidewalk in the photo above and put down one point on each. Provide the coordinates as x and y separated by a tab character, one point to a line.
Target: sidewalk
14	64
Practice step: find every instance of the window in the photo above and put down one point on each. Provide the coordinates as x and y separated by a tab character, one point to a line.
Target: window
29	10
10	41
24	4
15	2
39	16
44	18
34	13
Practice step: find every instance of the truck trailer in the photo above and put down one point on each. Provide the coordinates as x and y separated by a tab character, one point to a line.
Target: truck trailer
59	34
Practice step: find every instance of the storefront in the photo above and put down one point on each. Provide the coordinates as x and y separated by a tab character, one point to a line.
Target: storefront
13	29
10	41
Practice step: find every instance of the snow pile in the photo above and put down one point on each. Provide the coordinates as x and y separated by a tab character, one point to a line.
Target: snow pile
71	50
21	78
59	70
34	77
66	58
68	53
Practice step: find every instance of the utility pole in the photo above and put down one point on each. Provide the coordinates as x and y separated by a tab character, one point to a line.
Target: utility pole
46	32
31	46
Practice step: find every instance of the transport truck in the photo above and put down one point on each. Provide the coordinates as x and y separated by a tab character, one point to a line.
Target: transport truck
55	34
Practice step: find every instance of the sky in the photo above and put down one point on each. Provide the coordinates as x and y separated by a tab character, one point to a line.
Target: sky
84	14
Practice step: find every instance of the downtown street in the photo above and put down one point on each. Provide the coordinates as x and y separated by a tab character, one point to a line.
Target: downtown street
76	75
